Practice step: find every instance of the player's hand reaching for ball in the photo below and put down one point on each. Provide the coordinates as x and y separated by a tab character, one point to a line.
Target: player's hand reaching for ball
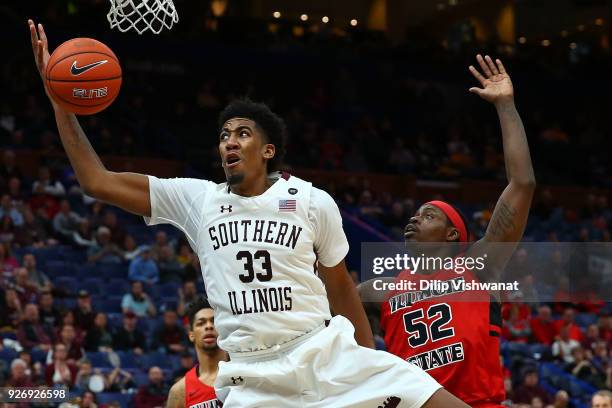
40	48
496	84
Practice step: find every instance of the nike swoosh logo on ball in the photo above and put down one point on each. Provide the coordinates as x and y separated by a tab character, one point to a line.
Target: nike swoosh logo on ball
74	70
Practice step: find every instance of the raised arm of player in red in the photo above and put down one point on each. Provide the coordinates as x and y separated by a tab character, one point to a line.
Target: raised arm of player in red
510	215
129	191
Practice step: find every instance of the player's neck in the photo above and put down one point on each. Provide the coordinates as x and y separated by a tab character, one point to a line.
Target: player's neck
209	360
253	187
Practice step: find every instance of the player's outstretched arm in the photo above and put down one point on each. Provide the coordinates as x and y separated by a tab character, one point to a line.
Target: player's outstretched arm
512	209
176	397
344	300
129	191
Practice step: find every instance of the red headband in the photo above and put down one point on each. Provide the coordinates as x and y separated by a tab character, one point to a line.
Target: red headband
453	216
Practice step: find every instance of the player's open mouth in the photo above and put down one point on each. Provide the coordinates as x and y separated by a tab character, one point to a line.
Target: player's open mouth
410	230
232	160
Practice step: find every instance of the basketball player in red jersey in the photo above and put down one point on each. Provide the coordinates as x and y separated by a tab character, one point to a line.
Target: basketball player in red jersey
196	390
454	334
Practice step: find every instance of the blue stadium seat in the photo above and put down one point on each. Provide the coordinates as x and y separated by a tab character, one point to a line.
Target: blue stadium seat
110	271
129	359
110	305
108	397
168	290
94	286
87	271
586	319
59	268
115	320
39	355
141	378
67	283
156	358
7	355
98	359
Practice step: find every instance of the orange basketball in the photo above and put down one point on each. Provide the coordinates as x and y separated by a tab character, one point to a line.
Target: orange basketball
83	76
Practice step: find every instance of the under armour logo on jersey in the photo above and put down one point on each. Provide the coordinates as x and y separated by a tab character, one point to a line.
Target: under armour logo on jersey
292	191
391	402
236	380
228	208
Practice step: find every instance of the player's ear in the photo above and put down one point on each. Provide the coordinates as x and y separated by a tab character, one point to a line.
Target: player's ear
269	150
191	336
452	234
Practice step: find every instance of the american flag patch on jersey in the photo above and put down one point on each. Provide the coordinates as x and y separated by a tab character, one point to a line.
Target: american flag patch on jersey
287	205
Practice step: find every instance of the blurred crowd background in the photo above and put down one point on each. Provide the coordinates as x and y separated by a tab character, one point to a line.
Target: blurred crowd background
378	114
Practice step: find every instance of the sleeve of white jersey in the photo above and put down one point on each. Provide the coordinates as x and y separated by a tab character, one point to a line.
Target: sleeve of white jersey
178	202
330	242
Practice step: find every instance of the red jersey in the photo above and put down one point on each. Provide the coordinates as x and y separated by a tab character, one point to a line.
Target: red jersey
450	332
198	394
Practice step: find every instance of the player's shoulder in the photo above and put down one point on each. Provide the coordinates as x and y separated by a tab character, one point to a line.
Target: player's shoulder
176	396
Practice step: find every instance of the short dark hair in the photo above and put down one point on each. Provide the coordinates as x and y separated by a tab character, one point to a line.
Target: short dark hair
201	302
273	126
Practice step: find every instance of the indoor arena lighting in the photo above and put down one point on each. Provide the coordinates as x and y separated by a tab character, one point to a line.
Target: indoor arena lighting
325	19
304	17
276	14
545	43
522	40
354	22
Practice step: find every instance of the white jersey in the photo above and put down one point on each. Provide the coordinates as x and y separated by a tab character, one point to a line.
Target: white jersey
257	254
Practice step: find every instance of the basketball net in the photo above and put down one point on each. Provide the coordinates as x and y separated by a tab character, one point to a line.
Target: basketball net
142	15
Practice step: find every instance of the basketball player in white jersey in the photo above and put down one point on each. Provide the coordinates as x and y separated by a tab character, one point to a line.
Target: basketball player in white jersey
258	237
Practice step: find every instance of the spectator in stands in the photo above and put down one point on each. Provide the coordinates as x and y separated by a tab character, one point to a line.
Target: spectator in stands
575	332
83	236
368	208
7	230
129	248
119	380
99	337
83	376
68	337
543	328
26	289
153	394
66	222
187	294
530	389
60	371
591	338
170	270
186	363
34	369
515	328
48	313
563	346
45	184
192	271
581	368
602	399
143	268
561	399
10	310
138	301
15	191
33	232
9	168
39	278
19	375
170	336
32	333
161	240
7	208
116	230
83	312
128	337
88	400
104	251
7	262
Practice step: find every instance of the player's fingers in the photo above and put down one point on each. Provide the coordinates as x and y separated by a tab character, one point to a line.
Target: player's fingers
43	36
477	75
500	66
491	65
484	66
476	91
33	34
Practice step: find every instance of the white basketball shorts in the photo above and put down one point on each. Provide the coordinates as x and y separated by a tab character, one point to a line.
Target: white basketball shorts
326	368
